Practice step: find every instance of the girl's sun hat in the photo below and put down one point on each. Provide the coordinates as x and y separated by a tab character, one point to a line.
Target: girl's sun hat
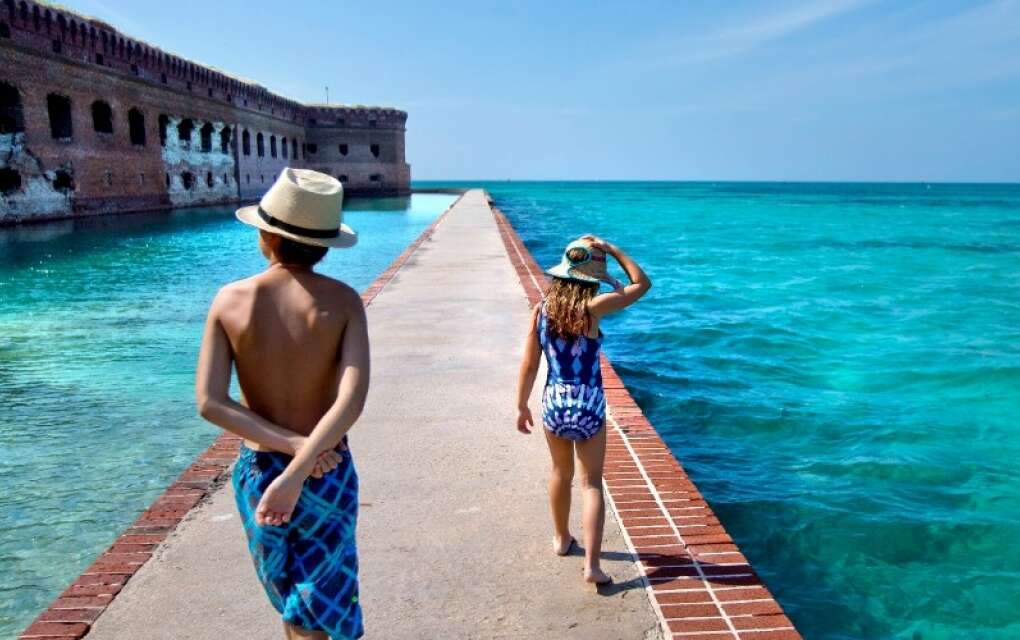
589	268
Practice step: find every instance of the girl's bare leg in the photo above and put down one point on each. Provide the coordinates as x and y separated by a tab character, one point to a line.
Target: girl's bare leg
294	632
591	454
560	479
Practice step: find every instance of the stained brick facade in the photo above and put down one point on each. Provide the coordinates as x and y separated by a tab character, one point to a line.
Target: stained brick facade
92	121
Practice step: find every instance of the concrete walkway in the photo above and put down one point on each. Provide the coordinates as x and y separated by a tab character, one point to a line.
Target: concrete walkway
454	531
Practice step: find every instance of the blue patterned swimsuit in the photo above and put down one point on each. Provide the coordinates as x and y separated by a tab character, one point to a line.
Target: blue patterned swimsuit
573	402
309	566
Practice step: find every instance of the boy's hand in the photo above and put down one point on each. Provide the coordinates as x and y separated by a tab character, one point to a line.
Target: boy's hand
524	419
278	502
327	461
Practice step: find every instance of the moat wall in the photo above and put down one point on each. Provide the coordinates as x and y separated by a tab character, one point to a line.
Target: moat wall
94	122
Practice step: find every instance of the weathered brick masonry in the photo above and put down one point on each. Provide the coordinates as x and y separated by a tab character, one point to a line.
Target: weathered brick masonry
92	121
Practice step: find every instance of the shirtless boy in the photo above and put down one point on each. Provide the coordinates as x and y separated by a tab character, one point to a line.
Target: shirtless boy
299	343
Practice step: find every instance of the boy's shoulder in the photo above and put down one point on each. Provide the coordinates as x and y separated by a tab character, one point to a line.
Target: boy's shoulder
337	290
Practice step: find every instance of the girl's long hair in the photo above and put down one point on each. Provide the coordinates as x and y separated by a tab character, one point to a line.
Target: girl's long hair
566	306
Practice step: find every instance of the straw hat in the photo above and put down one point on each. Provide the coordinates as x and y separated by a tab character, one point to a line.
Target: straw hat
305	206
590	268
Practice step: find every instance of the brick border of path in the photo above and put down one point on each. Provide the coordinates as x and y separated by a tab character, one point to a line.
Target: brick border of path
700	585
72	614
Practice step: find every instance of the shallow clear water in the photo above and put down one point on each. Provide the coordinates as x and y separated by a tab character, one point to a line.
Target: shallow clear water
838	368
100	323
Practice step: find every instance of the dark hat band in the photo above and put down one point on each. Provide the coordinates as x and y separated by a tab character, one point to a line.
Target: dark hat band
295	229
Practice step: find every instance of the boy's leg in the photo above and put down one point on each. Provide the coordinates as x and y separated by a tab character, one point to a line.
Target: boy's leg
294	632
591	453
560	479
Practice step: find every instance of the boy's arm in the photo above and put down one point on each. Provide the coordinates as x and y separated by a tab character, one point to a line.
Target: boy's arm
352	389
212	392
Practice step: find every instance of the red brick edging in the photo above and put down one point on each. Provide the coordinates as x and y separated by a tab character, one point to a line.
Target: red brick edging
72	614
700	585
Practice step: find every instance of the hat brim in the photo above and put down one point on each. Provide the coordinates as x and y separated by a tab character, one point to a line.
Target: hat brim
345	239
566	272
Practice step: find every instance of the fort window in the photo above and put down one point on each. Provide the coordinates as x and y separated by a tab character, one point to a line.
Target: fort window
57	47
375	150
99	59
225	179
206	133
341	122
10	181
108	178
375	177
293	148
245	143
134	69
10	110
162	78
225	134
63	182
262	179
272	146
59	109
136	127
247	178
167	180
208	179
102	117
141	178
23	10
343	178
189	85
311	122
184	131
260	145
164	122
5	31
283	147
188	180
371	123
343	149
312	148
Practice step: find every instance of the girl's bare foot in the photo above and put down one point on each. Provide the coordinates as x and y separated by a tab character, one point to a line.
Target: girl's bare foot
597	577
562	545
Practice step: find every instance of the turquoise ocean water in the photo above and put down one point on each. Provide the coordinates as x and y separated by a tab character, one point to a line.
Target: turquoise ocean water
838	368
100	323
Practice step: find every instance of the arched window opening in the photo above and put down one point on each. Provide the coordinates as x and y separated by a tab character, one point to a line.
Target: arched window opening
375	177
293	148
272	146
11	113
374	149
10	181
63	182
225	134
312	148
372	123
342	178
260	145
206	133
164	122
59	109
136	127
283	147
247	178
209	179
245	143
188	179
5	31
343	149
102	117
184	131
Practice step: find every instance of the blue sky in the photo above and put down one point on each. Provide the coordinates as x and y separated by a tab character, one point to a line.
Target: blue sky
815	90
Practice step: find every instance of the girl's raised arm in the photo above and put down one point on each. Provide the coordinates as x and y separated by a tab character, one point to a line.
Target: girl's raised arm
626	295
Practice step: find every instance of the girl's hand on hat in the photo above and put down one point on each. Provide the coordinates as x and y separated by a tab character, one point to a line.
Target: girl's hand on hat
524	419
599	243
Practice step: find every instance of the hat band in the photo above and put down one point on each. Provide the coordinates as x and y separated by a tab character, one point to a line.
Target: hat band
295	229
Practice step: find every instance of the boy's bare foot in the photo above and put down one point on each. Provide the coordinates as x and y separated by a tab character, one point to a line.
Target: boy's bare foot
562	546
597	577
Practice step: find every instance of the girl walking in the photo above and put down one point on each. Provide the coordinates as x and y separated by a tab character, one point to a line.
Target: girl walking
565	326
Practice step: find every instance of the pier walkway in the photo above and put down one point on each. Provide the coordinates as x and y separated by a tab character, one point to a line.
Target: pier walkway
454	534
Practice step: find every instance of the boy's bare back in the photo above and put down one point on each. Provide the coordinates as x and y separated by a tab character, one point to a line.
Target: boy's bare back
285	327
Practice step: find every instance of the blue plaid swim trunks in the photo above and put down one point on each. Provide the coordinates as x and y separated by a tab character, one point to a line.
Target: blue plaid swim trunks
309	566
